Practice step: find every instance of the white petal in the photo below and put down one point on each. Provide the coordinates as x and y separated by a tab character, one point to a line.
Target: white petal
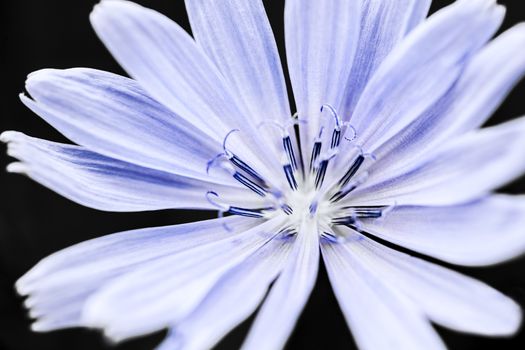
484	232
165	291
484	84
112	115
422	68
445	296
464	170
384	23
59	285
321	40
281	309
379	316
232	299
174	70
237	36
104	183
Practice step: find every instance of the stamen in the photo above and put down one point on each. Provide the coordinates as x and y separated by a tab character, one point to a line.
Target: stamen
288	171
316	151
321	173
334	114
247	169
288	148
287	209
321	170
239	163
336	134
372	212
336	138
331	237
261	191
281	204
287	232
352	170
251	213
296	123
350	187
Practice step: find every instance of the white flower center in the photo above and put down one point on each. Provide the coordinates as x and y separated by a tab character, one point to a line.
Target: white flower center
318	184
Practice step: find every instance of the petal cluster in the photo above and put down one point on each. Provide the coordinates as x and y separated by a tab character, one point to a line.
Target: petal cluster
386	143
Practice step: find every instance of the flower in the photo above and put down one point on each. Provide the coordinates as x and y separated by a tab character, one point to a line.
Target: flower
385	146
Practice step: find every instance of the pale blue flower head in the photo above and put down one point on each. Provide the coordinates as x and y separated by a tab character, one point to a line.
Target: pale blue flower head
385	146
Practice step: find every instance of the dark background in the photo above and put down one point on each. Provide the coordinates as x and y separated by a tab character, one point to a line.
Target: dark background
35	222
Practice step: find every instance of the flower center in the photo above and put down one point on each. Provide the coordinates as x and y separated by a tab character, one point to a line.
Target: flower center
317	183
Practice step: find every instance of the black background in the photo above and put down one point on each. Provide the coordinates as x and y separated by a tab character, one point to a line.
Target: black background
35	222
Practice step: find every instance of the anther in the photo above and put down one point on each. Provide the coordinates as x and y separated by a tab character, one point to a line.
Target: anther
289	173
321	169
239	163
331	237
261	191
316	151
287	232
251	213
352	170
349	188
258	188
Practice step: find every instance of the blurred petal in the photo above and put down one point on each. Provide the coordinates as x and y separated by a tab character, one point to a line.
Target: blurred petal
237	36
419	11
165	291
288	296
378	315
59	285
99	182
384	23
484	232
484	84
321	40
445	296
422	68
462	171
232	299
112	115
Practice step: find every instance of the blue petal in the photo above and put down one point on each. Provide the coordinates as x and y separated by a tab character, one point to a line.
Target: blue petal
484	232
463	170
112	115
231	300
444	296
288	296
165	291
59	285
384	23
108	184
422	69
237	36
174	70
371	304
484	84
321	40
